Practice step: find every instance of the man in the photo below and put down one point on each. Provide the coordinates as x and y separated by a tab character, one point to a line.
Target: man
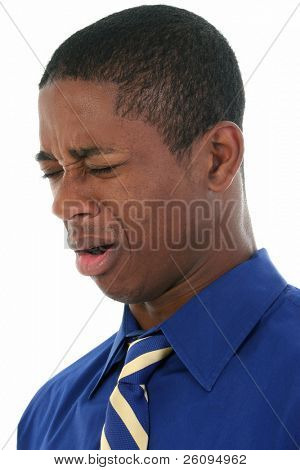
141	140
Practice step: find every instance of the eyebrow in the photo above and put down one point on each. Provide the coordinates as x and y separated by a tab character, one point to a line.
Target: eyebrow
79	154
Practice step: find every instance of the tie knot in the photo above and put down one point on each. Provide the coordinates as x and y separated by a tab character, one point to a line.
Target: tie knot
143	356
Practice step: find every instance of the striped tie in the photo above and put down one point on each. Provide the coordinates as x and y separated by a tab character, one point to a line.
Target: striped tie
127	415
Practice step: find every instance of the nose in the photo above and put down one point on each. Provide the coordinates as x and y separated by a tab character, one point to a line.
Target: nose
71	201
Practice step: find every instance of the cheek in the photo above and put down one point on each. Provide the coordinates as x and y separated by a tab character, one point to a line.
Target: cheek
150	182
155	226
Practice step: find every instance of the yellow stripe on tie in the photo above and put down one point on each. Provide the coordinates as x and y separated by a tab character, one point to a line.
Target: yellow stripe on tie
143	361
145	391
104	444
136	341
129	418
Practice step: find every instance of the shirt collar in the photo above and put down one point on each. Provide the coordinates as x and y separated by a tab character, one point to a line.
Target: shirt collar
206	331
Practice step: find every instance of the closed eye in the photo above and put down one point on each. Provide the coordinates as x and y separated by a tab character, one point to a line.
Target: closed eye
50	175
94	171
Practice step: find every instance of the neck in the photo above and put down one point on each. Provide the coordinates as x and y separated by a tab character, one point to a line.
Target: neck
205	270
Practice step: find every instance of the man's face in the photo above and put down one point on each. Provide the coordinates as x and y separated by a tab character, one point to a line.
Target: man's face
129	206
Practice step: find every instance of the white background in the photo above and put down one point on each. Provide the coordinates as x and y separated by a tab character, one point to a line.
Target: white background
50	314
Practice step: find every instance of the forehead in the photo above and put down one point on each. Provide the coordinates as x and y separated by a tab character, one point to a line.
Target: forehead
75	112
76	96
75	106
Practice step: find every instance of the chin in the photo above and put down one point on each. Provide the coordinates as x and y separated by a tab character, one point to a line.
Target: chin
132	294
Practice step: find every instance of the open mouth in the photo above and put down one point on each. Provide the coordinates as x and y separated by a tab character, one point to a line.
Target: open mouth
96	260
96	250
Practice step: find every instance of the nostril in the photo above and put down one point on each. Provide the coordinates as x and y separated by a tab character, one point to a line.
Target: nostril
71	209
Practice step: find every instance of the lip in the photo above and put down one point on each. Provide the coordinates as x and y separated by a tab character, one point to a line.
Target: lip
92	265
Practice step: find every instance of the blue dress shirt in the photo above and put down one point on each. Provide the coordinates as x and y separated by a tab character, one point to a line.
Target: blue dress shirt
233	382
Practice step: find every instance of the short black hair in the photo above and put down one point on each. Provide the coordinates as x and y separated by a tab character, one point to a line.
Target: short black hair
173	69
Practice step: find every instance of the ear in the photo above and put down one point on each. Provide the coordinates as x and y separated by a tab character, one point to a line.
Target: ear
225	149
